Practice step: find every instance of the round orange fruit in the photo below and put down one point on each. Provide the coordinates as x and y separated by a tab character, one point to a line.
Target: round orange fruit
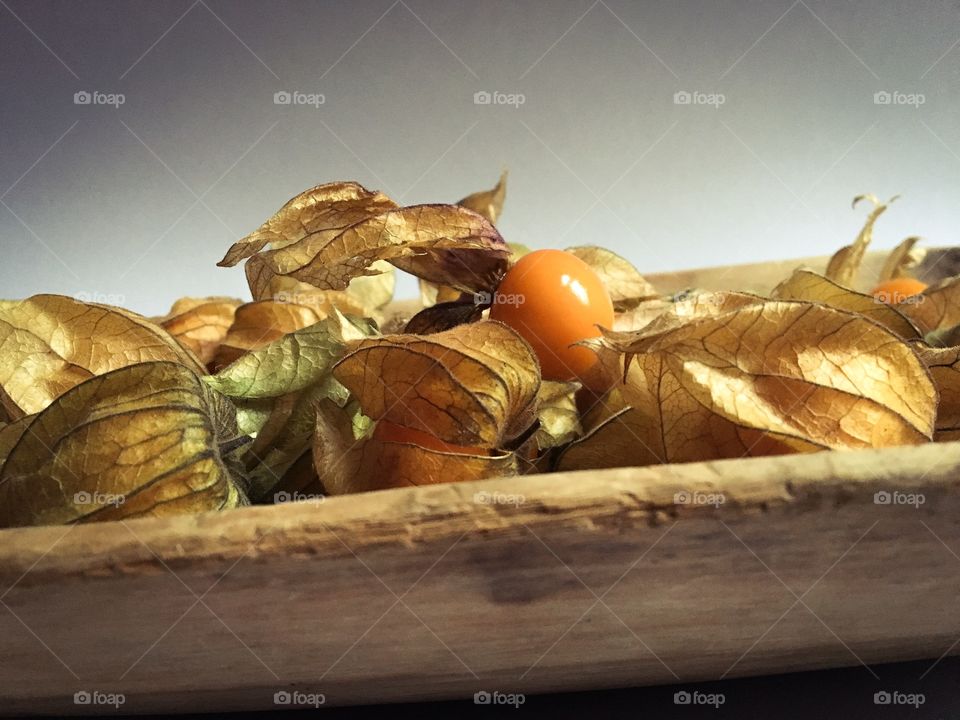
554	299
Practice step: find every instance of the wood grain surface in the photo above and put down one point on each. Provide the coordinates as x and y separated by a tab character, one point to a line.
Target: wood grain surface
535	584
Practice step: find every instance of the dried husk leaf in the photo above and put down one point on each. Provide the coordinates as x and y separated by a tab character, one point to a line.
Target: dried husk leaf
809	286
488	203
901	260
473	385
683	309
944	365
944	337
51	343
286	436
464	248
768	378
147	439
448	245
258	324
201	324
345	464
642	315
10	434
627	287
557	413
936	308
328	208
290	363
443	316
845	263
365	296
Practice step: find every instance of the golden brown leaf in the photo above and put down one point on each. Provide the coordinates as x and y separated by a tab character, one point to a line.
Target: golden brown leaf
10	434
557	413
936	308
808	286
901	260
147	439
326	209
441	243
845	263
201	324
290	363
50	343
258	324
488	203
627	287
286	435
346	464
681	312
473	385
767	378
641	315
944	365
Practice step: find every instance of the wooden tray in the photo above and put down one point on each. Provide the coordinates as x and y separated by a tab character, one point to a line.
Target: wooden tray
553	582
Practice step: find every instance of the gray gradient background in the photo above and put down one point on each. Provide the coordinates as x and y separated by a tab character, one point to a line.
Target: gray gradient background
139	202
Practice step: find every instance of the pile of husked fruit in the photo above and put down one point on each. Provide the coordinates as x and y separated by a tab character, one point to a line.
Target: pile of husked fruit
513	362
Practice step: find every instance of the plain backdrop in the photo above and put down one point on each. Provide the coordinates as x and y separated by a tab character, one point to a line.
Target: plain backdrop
135	202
